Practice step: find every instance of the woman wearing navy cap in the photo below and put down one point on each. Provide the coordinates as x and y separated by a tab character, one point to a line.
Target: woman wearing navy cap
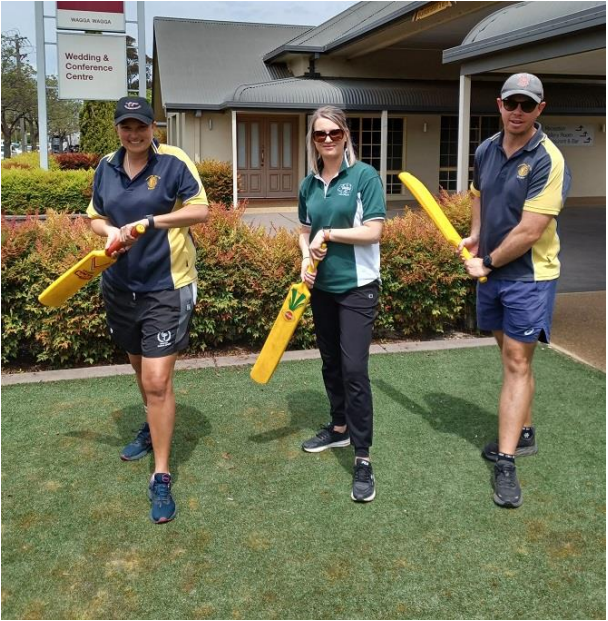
150	292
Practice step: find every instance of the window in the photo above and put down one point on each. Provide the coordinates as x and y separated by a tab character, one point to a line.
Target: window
366	137
482	127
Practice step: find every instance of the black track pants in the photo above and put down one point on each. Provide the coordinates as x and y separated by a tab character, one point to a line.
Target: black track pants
343	326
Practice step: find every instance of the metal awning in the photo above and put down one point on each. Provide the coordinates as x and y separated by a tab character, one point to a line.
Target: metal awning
429	97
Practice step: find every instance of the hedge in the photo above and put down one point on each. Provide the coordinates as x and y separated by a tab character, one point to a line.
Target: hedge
31	191
27	190
244	274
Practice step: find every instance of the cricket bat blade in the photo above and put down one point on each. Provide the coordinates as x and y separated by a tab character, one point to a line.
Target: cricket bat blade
434	211
77	276
284	326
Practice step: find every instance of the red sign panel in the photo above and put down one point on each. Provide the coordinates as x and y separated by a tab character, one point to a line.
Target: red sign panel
92	7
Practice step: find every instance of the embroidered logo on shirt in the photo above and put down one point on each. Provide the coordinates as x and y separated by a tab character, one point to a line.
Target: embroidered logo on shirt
152	181
345	189
523	170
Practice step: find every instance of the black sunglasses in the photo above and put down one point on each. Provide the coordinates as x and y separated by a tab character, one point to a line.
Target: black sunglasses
334	134
527	106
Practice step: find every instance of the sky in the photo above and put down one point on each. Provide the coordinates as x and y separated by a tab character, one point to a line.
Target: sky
19	16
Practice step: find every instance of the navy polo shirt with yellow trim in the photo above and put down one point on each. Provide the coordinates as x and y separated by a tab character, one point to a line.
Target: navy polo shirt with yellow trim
351	198
162	258
536	179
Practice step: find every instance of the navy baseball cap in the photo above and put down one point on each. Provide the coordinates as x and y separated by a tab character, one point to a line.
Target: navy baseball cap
523	84
133	108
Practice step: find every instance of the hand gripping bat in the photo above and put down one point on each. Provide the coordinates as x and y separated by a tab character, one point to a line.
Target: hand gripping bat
84	271
429	204
284	326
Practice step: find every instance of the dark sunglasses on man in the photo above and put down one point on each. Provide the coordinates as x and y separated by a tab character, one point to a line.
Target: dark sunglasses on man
334	134
527	105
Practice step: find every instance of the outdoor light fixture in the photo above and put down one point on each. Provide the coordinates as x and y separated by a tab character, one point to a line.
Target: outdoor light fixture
425	128
210	123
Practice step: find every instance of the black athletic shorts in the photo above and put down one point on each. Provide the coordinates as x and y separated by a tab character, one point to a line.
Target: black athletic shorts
153	324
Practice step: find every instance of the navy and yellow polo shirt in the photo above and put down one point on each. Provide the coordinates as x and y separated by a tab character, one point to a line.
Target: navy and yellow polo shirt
162	258
351	198
536	179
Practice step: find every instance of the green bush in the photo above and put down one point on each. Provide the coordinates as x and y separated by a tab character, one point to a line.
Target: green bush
244	275
30	191
29	161
217	180
27	189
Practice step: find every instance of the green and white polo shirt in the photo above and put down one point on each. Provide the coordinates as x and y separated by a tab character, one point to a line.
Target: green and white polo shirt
351	198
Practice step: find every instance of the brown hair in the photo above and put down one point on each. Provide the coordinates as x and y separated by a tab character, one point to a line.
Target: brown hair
337	116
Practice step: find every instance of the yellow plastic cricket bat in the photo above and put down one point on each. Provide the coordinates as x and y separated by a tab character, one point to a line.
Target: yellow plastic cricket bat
83	272
284	326
429	204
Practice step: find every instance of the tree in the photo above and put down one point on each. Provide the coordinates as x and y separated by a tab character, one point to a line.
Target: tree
18	88
97	133
133	66
62	114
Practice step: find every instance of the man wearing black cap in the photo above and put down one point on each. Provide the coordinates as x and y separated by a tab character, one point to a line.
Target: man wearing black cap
150	292
520	183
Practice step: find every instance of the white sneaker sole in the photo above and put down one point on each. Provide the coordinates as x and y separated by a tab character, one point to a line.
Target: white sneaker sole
368	499
318	449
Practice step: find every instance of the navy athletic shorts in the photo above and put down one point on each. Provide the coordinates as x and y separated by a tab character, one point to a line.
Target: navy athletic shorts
522	310
153	324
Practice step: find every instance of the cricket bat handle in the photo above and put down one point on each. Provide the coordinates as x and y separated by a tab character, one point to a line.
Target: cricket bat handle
136	231
312	267
467	255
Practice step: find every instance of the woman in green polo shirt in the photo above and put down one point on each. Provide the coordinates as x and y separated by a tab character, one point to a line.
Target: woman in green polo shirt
342	211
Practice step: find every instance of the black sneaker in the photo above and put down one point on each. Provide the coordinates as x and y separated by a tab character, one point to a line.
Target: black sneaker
140	447
325	439
159	492
507	492
364	484
526	446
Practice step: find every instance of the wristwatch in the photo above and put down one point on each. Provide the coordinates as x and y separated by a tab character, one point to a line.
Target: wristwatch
150	219
487	262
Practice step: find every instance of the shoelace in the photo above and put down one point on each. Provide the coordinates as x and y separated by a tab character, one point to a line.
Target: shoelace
363	474
143	435
507	473
162	491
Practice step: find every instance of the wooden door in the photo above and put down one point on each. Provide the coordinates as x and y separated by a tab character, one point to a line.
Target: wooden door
266	152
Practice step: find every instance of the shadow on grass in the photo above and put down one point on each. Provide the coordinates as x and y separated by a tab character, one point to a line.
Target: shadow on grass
190	427
304	408
447	414
308	411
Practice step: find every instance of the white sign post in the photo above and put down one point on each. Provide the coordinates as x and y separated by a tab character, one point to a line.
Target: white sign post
92	66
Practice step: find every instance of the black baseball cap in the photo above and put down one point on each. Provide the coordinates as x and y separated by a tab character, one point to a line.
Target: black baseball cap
133	108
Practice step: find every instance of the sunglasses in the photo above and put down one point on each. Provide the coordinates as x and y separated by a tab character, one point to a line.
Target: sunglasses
526	106
334	134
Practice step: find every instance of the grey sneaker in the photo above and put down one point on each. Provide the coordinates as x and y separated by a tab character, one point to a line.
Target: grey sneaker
364	483
526	446
507	492
140	447
325	439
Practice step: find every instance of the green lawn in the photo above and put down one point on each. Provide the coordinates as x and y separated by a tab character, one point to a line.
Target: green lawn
265	531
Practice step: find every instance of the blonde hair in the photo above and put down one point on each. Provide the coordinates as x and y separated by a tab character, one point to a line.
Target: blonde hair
337	116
